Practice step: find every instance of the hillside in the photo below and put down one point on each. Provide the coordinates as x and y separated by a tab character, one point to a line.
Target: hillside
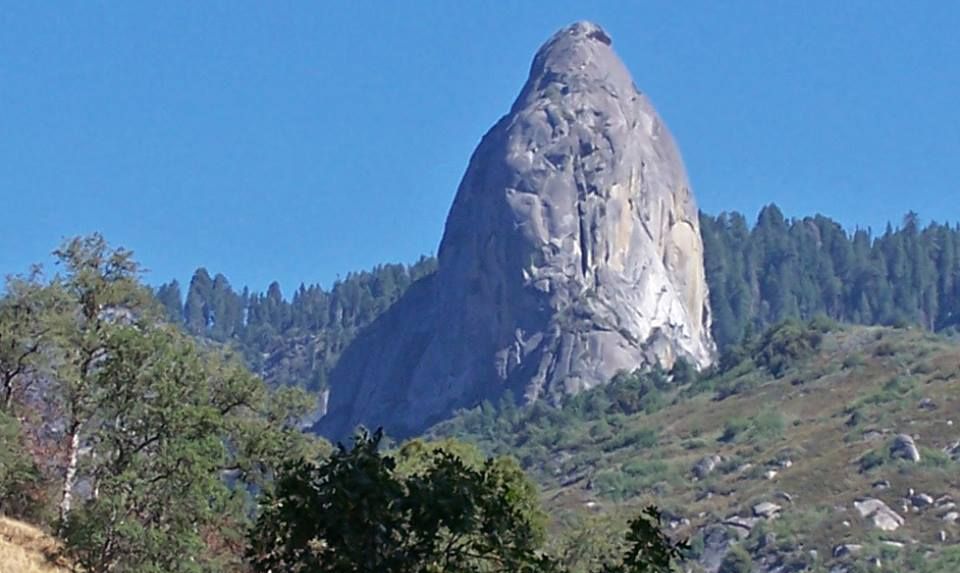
25	549
807	426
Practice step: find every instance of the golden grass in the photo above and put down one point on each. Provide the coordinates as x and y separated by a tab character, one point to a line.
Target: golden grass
26	549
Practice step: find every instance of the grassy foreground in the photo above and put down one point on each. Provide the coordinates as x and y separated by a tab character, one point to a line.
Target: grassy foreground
26	549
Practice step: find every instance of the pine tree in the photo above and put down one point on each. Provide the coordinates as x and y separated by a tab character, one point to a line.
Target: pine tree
168	294
197	311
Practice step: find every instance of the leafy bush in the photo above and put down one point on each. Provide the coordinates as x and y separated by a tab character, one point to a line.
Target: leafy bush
767	425
734	428
787	343
871	460
737	560
20	479
854	360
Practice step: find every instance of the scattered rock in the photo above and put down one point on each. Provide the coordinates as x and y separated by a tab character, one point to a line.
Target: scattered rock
706	465
951	517
953	450
891	543
943	536
784	496
872	435
770	474
741	526
882	484
879	513
921	501
927	404
785	464
766	510
905	448
845	549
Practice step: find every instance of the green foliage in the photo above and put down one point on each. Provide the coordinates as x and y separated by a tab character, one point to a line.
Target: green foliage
427	509
20	478
447	516
737	560
766	425
650	551
871	460
156	446
796	269
854	360
787	343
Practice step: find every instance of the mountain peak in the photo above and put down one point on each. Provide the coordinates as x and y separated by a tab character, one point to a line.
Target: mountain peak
572	251
578	58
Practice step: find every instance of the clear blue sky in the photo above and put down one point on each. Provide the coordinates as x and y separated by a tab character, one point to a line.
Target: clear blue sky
298	141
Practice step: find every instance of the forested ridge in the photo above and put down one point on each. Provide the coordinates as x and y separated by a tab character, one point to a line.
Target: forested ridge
304	334
758	275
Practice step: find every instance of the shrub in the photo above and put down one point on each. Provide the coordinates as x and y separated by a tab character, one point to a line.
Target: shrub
787	343
20	479
734	428
885	348
855	360
871	460
737	560
767	425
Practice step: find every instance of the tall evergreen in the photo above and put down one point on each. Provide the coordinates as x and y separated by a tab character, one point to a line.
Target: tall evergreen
196	311
171	300
798	268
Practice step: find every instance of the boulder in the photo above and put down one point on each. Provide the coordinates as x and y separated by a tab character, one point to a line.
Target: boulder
845	549
953	450
741	526
706	465
879	514
904	447
881	484
766	510
921	501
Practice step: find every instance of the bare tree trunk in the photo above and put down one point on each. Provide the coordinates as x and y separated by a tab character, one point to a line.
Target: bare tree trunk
70	479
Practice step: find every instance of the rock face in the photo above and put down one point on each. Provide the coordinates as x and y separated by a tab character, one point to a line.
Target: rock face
572	251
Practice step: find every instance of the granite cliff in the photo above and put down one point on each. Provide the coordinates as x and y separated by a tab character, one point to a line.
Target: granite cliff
572	251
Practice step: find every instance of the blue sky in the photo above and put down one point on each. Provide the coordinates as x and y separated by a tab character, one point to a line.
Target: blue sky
297	141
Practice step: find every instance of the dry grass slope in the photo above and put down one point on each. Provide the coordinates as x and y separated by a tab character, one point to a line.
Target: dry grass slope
25	549
848	401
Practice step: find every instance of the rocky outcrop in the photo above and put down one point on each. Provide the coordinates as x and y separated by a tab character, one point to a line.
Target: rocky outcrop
904	447
572	251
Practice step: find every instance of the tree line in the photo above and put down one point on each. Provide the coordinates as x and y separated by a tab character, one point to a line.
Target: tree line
261	324
758	275
800	268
